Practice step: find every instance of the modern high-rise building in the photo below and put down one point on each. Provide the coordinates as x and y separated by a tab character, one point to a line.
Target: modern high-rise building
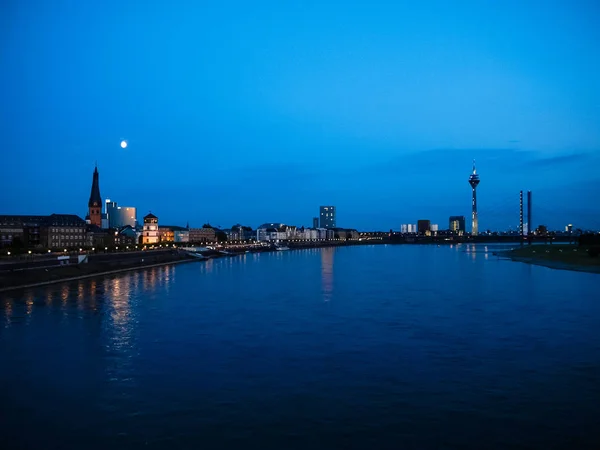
404	228
434	227
457	224
474	182
95	202
423	226
327	217
120	216
412	228
315	222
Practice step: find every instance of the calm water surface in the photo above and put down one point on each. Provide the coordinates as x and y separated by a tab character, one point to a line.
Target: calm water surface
359	347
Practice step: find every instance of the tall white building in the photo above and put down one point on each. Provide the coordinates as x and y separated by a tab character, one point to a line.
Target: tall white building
150	231
404	228
434	227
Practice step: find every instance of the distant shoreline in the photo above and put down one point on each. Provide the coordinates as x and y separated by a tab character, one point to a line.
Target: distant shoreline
559	257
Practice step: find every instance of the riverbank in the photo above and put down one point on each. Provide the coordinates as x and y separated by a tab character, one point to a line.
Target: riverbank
22	275
560	257
21	279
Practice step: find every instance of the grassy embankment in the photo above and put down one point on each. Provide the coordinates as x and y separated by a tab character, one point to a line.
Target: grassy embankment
557	256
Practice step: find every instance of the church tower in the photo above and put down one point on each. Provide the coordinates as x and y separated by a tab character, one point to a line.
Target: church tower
95	203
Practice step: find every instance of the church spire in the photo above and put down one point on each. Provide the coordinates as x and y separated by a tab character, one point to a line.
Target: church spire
95	202
95	194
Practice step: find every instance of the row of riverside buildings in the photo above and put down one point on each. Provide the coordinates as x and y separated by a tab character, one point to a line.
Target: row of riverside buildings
456	225
118	226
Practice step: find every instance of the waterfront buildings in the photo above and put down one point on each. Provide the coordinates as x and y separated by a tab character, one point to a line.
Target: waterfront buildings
408	228
328	217
165	233
97	237
474	182
65	231
423	226
457	224
344	234
307	234
181	234
150	233
120	216
240	233
95	201
173	233
53	231
202	235
270	235
23	231
273	231
325	233
434	227
126	236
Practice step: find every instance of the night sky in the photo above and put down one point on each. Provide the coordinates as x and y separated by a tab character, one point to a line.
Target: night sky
252	112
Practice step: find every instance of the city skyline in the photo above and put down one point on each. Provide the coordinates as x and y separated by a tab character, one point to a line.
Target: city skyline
128	214
386	106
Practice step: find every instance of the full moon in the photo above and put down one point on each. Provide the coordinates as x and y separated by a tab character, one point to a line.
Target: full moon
123	144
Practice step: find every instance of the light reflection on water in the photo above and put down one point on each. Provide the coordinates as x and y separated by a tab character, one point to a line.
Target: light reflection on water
430	344
83	294
327	272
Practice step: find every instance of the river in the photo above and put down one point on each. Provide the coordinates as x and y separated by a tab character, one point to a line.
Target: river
355	347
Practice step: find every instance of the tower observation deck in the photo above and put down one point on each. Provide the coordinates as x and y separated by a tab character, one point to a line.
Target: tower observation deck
474	182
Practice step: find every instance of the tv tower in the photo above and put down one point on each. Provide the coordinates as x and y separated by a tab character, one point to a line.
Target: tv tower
474	181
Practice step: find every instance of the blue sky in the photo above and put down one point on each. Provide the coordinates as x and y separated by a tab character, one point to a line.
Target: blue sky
254	112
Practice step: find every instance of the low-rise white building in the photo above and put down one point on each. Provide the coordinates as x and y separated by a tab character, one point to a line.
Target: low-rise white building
269	232
325	233
181	235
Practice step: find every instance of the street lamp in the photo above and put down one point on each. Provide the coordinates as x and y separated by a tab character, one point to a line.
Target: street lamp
29	252
8	253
